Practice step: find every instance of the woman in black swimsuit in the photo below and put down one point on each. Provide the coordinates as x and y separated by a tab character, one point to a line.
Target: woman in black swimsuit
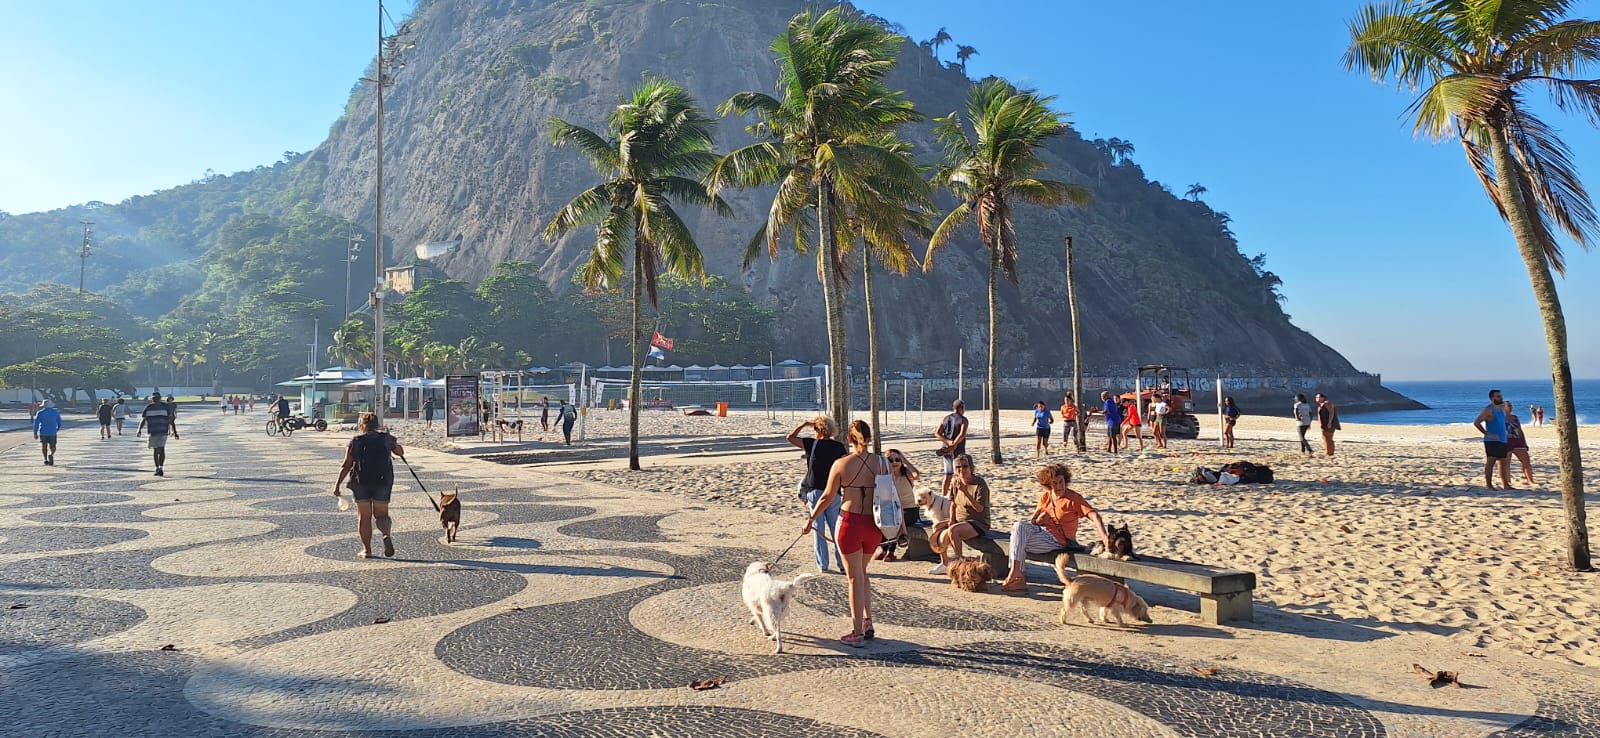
853	478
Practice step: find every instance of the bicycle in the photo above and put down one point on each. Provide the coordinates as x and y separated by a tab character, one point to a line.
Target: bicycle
276	426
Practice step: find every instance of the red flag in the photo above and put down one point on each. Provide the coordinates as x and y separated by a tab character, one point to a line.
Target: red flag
661	341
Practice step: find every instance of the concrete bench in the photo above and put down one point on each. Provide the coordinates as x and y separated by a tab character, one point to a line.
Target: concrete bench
1225	594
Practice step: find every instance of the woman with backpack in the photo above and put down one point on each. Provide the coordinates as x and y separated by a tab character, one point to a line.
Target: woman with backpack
371	475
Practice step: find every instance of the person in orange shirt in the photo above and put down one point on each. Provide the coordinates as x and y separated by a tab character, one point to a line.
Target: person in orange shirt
1053	525
1069	421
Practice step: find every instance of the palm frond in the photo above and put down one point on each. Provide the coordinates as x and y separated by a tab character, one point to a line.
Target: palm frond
1049	192
587	208
613	241
1469	96
1393	40
1558	50
1550	179
600	152
946	230
756	165
683	189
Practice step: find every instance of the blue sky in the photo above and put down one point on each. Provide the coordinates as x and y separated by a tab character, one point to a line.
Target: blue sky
1387	247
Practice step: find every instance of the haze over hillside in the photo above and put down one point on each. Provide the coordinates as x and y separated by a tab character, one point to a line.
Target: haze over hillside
467	158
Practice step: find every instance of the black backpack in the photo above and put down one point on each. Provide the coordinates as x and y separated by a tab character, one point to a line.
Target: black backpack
372	459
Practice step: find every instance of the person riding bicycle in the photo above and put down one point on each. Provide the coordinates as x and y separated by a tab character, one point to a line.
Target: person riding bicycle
280	409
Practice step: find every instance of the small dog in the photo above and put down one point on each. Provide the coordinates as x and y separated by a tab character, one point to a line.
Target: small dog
937	506
450	513
1119	547
971	575
768	599
1114	600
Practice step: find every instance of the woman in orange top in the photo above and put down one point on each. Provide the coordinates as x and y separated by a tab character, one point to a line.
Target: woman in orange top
1069	421
1053	525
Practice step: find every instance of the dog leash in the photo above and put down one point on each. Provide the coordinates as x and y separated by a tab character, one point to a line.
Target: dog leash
420	485
786	551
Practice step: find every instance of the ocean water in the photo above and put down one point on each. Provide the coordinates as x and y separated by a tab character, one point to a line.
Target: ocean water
1459	402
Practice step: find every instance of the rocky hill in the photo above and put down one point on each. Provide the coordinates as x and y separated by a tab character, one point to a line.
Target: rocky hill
467	158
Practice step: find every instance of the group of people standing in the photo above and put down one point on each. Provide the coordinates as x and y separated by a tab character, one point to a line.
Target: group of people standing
1502	439
1323	413
837	492
159	418
237	403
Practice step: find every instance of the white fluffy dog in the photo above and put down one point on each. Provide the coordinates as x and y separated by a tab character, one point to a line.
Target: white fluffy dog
937	506
769	598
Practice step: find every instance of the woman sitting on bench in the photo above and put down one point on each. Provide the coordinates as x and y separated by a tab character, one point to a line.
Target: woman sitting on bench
1053	525
969	505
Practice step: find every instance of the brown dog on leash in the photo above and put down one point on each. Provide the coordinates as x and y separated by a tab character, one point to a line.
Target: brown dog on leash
450	513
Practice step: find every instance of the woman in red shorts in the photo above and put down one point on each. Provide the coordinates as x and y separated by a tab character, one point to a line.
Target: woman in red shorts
854	477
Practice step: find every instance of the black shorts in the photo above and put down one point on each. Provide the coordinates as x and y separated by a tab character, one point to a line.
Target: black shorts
1042	433
1496	449
371	492
105	423
980	529
1113	429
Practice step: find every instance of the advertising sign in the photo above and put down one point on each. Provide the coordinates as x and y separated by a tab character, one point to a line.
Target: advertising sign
461	405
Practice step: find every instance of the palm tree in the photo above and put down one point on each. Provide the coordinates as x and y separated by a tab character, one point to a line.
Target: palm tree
1195	191
1476	62
1120	150
661	143
939	39
986	171
351	343
963	53
881	222
820	142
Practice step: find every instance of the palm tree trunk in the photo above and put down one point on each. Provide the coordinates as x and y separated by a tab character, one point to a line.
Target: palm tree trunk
994	345
872	352
1555	334
833	301
1077	355
636	349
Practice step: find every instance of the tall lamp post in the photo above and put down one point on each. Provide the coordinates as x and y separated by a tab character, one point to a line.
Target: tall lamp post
353	243
83	254
389	48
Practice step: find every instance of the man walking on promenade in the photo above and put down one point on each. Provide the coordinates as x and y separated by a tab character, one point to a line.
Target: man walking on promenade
160	419
427	413
952	435
1328	419
103	414
119	413
1491	422
46	425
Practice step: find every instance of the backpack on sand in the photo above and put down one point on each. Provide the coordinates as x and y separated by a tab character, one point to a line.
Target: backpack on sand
372	459
886	503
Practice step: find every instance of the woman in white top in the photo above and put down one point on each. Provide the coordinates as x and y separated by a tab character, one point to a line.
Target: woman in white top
1304	413
905	478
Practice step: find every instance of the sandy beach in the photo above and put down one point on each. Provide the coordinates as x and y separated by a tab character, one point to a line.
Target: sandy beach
1395	532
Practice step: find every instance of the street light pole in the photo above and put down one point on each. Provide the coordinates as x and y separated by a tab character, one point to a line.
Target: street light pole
83	255
388	48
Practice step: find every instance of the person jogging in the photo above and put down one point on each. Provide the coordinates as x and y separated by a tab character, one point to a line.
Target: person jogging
159	418
46	426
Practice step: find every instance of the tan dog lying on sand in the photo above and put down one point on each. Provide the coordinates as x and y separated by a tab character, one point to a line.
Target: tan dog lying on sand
1113	600
971	575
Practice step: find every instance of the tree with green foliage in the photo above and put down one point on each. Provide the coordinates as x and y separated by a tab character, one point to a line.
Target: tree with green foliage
520	311
660	145
963	53
1476	61
939	39
987	170
819	142
439	311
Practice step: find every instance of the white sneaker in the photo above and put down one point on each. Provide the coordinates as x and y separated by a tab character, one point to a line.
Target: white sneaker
940	569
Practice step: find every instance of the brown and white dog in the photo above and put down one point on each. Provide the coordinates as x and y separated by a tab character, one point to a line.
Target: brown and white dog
1119	547
450	513
937	508
971	575
1113	599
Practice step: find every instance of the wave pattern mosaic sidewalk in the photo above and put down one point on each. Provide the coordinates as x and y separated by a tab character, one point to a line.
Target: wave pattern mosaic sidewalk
225	600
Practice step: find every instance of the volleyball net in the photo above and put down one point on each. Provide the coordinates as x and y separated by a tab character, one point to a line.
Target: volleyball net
798	393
